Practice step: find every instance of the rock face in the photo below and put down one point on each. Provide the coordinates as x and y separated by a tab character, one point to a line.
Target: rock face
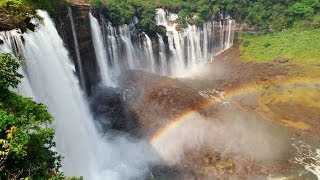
83	32
112	112
9	21
6	21
145	102
142	104
158	100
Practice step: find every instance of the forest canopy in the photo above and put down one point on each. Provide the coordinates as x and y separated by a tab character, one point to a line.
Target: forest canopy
265	15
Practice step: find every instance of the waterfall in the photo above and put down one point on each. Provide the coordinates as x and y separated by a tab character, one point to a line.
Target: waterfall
178	63
161	17
12	43
162	56
52	79
100	51
129	49
194	45
205	41
126	38
112	45
76	45
149	54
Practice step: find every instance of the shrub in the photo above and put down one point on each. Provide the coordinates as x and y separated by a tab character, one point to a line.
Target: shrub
246	43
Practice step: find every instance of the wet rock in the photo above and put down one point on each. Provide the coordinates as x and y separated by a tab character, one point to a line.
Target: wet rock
112	112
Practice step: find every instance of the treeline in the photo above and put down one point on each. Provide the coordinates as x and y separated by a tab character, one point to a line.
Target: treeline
274	14
265	15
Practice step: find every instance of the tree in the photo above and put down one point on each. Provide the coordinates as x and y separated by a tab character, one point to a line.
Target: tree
9	77
300	10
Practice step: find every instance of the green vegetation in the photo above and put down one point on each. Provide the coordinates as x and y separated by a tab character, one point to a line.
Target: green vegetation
18	5
26	144
18	13
265	15
122	12
301	45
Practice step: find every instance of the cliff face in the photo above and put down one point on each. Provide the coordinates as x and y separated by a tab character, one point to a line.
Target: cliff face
7	21
80	13
10	19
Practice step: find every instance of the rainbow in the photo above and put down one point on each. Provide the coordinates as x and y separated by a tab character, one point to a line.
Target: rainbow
176	122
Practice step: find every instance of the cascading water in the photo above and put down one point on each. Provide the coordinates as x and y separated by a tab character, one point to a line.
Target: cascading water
126	38
12	43
53	82
100	51
194	45
76	46
148	50
111	44
162	56
186	47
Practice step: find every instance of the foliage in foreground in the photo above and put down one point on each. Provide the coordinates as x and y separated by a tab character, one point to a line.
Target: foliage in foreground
26	143
299	44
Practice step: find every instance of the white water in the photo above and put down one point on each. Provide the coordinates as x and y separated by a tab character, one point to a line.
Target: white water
194	45
76	46
52	79
112	49
100	51
126	38
308	157
149	54
187	47
12	43
162	56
